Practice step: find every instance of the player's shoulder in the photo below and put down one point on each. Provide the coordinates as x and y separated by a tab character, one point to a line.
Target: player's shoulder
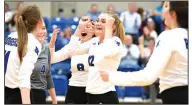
45	47
117	40
32	40
179	32
164	34
95	39
33	43
174	33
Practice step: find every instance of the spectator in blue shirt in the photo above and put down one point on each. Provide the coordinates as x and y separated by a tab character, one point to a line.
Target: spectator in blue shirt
130	59
93	13
158	18
132	22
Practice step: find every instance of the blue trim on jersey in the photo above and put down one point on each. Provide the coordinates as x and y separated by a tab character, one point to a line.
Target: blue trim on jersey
7	53
11	41
37	50
158	43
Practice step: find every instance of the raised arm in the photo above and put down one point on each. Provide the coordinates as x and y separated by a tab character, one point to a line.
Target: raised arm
73	48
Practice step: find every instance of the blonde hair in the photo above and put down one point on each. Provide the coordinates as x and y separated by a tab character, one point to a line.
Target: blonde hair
119	30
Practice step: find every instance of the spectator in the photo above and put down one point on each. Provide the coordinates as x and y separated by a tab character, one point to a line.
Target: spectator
157	14
151	26
93	13
145	52
140	11
111	8
67	32
8	16
144	39
132	22
130	59
12	25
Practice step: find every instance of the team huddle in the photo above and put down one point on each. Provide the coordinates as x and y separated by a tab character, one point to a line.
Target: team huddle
95	49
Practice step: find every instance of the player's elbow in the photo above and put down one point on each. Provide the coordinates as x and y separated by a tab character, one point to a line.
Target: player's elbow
25	80
148	81
25	83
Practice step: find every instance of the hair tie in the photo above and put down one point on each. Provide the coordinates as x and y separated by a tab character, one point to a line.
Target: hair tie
20	17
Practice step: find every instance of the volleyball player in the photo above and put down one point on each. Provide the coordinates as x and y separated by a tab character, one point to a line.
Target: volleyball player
169	60
79	66
41	78
21	52
104	53
76	92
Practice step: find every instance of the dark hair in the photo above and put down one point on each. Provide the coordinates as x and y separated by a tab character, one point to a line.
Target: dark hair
27	19
140	11
181	10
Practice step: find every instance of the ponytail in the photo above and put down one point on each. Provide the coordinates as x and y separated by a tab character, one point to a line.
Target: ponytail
27	19
119	31
22	38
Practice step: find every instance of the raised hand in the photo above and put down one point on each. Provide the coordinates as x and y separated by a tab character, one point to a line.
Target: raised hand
82	24
54	37
109	26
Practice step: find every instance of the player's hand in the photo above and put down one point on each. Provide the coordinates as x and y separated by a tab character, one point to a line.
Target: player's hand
90	27
104	75
83	21
54	37
109	26
82	24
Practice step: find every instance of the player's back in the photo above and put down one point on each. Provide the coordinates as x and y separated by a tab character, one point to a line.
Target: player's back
12	62
177	66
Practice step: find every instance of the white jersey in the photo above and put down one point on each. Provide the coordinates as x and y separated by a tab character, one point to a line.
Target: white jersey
79	68
18	74
79	63
169	62
104	56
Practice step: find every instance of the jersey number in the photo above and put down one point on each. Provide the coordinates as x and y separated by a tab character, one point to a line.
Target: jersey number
90	60
7	53
80	67
43	69
186	43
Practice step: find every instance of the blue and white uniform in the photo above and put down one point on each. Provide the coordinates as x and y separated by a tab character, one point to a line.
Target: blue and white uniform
18	74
